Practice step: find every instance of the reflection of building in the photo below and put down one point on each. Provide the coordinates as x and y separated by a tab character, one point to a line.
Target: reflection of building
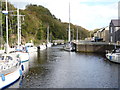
114	30
103	34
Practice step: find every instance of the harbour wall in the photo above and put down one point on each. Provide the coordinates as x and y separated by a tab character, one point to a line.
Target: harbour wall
94	47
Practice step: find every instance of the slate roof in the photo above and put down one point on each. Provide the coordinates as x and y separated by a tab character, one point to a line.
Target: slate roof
116	22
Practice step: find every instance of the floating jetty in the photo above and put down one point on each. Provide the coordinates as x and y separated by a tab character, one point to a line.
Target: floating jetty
93	47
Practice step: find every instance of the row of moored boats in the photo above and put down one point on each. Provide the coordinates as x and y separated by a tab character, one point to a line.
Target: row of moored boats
13	65
14	62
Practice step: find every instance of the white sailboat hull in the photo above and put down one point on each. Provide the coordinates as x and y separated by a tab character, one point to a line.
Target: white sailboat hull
114	57
2	51
49	45
42	47
24	57
69	47
10	78
10	70
55	43
12	50
32	49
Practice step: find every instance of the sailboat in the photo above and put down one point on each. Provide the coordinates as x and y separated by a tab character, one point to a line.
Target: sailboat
42	47
10	70
69	45
48	42
21	50
113	55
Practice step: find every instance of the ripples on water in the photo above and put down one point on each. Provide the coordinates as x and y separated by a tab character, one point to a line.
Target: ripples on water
56	68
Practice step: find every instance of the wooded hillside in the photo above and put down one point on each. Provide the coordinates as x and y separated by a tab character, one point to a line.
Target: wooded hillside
34	25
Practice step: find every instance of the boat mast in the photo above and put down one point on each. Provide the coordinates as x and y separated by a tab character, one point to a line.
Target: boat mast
18	21
69	34
19	26
1	23
20	29
47	34
7	45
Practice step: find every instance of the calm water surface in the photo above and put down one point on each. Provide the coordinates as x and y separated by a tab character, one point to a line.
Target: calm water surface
56	68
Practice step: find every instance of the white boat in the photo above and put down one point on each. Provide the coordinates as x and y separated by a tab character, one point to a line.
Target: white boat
10	70
12	49
30	47
2	51
42	47
55	43
62	43
114	55
21	49
69	47
49	44
24	58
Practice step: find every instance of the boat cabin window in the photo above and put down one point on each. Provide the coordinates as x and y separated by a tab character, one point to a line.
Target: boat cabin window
116	51
30	46
1	57
9	58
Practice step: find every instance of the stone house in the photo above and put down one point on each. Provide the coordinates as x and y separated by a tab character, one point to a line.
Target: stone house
114	31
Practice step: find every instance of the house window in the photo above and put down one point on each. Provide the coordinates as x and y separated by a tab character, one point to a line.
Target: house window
111	39
111	30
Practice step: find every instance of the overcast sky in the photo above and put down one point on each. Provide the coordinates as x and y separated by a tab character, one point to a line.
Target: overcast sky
90	14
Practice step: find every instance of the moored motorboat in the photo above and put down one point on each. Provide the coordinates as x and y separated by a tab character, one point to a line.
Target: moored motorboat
113	55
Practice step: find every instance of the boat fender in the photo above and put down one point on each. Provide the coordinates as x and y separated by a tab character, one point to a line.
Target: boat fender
26	49
20	72
2	77
22	67
110	57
